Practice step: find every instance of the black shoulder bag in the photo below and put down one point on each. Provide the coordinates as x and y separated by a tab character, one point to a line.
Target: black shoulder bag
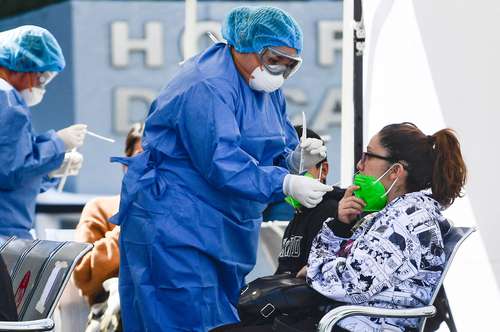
267	297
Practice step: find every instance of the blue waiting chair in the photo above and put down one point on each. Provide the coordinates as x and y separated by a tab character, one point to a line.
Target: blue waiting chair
39	271
452	241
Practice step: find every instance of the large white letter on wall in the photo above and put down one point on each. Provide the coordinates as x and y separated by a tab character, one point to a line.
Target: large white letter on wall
202	27
329	114
151	44
123	98
330	41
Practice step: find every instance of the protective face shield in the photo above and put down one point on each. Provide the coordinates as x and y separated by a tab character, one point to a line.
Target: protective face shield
262	80
372	191
292	201
32	96
45	78
35	95
279	63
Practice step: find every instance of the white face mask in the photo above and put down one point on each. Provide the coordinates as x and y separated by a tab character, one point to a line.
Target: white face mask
262	80
32	96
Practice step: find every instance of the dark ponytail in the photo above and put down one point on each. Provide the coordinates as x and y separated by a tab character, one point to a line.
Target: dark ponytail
431	161
450	173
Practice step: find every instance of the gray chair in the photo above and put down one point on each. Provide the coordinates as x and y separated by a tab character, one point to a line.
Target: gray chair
453	239
39	271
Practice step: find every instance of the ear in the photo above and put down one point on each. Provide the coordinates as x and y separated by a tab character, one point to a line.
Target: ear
326	168
398	171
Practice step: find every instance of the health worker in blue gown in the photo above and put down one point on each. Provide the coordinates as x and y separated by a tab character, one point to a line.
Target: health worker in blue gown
30	57
218	147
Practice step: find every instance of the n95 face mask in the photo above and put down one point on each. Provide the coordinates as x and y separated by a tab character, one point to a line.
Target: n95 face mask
264	81
32	96
372	191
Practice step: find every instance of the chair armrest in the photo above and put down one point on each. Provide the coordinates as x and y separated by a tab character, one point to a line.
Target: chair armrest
332	317
46	324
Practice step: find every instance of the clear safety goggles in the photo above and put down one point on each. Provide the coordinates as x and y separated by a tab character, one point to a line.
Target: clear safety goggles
277	62
45	78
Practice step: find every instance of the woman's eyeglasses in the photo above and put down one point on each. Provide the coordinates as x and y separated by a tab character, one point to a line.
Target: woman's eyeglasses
366	155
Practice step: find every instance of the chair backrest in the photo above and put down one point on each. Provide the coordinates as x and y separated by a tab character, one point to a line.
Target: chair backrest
452	241
39	271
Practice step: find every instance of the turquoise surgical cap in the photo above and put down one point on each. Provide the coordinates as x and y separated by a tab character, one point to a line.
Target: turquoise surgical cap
250	29
30	49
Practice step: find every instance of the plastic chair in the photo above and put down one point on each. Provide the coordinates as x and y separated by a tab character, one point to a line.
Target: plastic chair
39	271
452	241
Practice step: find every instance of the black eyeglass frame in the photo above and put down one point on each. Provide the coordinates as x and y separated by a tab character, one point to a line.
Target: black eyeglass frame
366	154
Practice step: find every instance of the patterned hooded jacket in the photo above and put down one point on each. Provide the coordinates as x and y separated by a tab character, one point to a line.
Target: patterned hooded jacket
394	259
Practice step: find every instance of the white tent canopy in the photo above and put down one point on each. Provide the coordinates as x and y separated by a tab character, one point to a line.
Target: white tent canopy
435	63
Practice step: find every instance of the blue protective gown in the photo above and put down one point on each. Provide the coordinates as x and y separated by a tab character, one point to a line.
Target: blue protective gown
192	202
25	161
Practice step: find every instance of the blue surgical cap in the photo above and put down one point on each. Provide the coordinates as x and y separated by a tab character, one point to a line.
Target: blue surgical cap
30	49
250	29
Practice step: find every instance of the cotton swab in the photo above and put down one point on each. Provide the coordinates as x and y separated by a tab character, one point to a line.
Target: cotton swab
100	137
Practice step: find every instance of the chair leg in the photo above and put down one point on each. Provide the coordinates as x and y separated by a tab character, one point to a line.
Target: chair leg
448	316
443	314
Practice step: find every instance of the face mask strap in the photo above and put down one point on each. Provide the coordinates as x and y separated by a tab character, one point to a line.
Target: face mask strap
380	177
392	185
390	188
354	175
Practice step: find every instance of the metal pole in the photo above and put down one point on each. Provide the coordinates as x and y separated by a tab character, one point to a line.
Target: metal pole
347	115
359	43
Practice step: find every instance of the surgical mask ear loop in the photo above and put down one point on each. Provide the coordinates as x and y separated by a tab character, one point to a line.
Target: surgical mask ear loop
320	171
354	175
392	185
390	188
380	177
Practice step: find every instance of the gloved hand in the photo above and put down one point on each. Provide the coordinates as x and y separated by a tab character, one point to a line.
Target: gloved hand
314	152
111	318
73	136
72	163
309	192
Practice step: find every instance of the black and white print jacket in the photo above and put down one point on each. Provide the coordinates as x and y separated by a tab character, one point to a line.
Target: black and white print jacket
393	260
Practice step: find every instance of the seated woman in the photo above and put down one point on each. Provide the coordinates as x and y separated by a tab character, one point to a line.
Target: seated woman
392	258
102	262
